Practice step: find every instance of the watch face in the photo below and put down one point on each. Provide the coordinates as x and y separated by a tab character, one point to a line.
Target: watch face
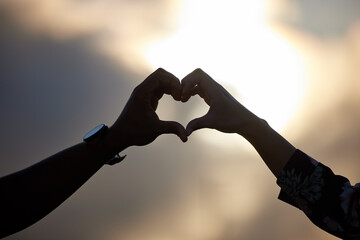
94	133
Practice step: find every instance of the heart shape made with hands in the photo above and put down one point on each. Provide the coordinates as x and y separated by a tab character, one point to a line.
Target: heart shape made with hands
170	109
197	83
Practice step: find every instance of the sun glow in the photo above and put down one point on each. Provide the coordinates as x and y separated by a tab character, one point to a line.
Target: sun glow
232	41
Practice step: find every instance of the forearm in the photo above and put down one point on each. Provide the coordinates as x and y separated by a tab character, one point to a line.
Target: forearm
271	146
29	195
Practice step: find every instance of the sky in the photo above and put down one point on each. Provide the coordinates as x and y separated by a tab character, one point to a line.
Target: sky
67	66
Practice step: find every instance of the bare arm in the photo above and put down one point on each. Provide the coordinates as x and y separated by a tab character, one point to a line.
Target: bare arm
227	115
327	199
30	194
274	149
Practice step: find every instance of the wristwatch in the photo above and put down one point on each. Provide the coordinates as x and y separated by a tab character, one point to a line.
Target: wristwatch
97	133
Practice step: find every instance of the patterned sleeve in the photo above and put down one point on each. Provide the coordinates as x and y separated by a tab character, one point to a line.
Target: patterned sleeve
328	200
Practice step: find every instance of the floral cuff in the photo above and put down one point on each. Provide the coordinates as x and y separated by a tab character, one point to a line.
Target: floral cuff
300	178
328	200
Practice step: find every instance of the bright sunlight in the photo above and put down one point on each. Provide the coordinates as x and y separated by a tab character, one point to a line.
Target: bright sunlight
234	43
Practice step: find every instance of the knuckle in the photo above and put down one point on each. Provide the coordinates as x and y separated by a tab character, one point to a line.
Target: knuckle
137	97
158	75
198	70
137	89
160	70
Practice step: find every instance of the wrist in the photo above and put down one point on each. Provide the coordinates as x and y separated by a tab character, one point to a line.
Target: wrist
103	145
115	140
253	127
248	124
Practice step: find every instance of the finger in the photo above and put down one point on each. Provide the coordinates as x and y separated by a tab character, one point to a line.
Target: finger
167	83
197	79
197	124
160	81
188	83
154	101
200	92
173	127
192	92
197	91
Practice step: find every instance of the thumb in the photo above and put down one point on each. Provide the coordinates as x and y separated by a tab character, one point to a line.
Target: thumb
196	124
173	127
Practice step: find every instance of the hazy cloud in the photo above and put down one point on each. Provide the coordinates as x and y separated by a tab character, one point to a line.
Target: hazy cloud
58	80
121	29
323	18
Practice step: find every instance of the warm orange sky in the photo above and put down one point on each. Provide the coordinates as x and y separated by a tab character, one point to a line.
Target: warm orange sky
69	65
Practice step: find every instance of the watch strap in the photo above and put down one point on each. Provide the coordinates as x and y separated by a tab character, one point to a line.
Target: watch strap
97	133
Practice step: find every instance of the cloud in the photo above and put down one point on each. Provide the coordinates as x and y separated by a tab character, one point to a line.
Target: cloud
52	92
49	85
59	79
122	29
324	19
327	122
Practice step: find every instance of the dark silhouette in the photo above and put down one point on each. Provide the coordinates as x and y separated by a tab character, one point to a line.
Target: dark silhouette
30	194
328	200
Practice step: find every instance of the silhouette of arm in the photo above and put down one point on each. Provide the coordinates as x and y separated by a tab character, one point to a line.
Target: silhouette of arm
30	194
227	115
328	200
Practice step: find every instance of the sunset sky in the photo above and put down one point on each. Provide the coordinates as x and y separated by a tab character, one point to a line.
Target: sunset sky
68	65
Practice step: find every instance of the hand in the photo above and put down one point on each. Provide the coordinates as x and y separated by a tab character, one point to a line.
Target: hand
138	123
226	114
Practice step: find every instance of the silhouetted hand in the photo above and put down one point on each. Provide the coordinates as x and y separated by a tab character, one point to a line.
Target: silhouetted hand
226	114
138	123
